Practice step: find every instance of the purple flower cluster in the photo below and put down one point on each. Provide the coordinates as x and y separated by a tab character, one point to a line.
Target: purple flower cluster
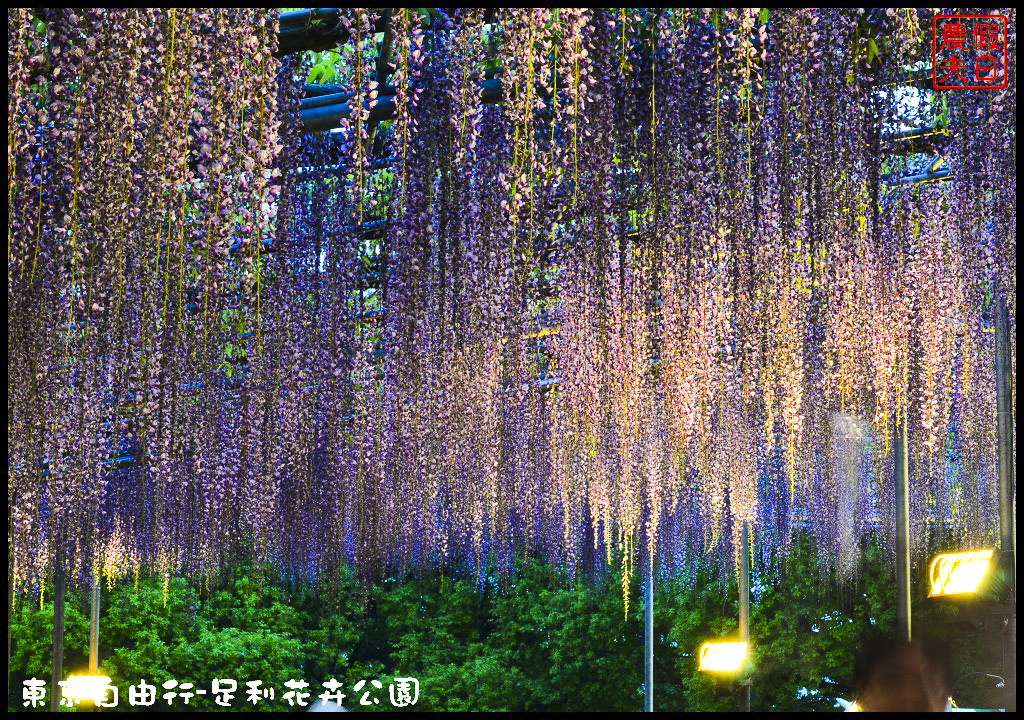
143	147
660	289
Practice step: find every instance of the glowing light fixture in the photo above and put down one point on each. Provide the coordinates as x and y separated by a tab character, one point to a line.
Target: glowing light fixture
86	687
723	657
958	573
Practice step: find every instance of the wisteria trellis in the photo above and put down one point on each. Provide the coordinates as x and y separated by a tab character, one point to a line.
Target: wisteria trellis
660	289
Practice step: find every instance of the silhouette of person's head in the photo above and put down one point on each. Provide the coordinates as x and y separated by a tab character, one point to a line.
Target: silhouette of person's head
897	676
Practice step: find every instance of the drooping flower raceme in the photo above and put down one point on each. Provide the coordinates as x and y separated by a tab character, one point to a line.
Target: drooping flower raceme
606	285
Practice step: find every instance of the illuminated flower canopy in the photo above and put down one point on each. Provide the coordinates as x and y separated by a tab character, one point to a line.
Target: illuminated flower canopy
666	284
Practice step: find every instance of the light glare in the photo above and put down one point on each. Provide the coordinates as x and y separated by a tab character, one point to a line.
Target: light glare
87	687
957	573
725	657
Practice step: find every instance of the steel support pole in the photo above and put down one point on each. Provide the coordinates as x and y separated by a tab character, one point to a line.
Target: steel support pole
58	633
10	614
745	610
649	637
1007	533
94	625
902	531
89	705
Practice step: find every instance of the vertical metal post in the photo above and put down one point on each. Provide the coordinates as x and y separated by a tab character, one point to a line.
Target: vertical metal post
745	609
902	531
58	632
94	624
89	705
649	637
1007	533
10	614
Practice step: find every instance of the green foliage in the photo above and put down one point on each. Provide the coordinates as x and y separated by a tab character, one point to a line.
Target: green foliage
570	643
243	631
806	634
693	610
32	637
326	67
533	641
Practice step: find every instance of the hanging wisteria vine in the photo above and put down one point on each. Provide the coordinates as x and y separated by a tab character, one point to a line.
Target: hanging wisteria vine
658	289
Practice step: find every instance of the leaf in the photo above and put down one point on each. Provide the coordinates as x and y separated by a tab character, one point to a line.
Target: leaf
872	50
762	18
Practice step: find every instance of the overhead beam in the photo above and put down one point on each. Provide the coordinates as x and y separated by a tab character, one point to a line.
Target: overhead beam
316	118
916	133
296	19
298	33
928	176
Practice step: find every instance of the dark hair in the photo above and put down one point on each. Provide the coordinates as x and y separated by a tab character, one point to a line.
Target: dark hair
876	649
939	655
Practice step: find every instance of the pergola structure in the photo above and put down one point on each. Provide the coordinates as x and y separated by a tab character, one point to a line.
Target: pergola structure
688	293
